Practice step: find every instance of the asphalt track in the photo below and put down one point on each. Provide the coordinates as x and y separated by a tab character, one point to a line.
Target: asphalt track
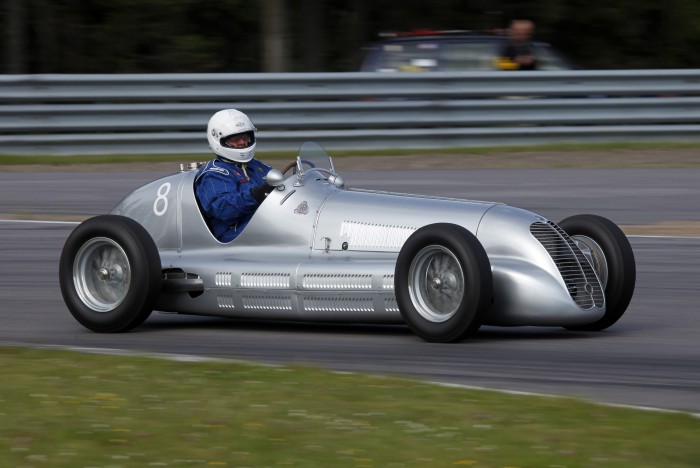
651	357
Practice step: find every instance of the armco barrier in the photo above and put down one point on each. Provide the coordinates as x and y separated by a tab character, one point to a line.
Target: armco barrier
122	114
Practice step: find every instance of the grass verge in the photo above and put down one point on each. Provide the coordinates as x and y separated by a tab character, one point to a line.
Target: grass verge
65	409
9	159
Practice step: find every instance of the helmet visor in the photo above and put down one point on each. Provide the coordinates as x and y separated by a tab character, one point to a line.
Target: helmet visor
239	140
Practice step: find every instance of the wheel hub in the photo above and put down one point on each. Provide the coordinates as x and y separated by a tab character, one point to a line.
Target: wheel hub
436	283
101	274
595	255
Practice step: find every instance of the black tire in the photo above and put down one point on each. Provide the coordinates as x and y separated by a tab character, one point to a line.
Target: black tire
444	256
618	259
110	274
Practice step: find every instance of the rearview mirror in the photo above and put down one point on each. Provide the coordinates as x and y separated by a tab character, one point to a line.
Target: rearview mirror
274	178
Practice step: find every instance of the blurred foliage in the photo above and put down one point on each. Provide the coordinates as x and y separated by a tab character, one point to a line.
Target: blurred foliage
193	36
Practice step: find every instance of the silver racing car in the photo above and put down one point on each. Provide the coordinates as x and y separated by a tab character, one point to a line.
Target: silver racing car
318	251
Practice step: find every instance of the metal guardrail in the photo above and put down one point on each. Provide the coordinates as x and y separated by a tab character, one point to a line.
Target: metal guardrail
99	114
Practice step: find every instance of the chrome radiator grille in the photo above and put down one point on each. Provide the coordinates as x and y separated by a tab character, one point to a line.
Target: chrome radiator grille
579	277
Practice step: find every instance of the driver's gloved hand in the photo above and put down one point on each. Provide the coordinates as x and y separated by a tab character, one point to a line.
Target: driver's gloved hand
261	191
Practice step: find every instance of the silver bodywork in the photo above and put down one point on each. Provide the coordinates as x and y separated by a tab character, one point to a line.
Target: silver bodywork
315	250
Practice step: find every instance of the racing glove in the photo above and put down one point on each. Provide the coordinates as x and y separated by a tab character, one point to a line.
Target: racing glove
260	192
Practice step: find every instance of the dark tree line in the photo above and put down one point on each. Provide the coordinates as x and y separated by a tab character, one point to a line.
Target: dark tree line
194	36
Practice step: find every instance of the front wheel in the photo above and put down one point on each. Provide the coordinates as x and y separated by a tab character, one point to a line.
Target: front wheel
110	273
610	254
443	283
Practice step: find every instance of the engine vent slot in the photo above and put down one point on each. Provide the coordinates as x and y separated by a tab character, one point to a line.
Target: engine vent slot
361	235
265	280
337	281
267	303
390	305
338	304
579	277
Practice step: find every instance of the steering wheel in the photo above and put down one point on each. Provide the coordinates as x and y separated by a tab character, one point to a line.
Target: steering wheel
293	164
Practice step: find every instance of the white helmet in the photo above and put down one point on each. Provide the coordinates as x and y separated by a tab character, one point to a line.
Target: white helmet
225	124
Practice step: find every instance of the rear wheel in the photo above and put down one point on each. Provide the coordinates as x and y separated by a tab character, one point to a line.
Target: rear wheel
443	283
110	273
610	254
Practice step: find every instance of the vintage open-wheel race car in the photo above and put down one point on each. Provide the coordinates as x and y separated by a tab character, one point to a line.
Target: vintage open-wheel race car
318	251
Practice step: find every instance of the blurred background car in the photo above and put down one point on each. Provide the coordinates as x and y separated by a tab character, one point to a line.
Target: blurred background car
421	51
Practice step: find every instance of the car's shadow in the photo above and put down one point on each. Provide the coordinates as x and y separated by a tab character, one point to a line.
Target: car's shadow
185	322
162	322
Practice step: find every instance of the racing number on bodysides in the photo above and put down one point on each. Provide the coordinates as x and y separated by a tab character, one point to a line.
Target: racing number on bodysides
160	208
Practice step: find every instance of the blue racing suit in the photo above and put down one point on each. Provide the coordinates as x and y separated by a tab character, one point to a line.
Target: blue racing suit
223	190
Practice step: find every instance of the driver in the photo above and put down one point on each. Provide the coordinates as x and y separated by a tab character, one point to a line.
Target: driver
231	187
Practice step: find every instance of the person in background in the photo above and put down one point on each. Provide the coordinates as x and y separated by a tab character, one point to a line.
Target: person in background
230	187
517	52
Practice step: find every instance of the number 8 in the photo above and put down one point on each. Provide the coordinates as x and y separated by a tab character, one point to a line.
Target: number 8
165	188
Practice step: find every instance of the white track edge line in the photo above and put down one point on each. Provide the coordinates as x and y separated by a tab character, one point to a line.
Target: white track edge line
196	358
640	236
36	221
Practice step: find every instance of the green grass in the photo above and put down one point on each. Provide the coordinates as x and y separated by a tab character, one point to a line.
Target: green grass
8	159
64	409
